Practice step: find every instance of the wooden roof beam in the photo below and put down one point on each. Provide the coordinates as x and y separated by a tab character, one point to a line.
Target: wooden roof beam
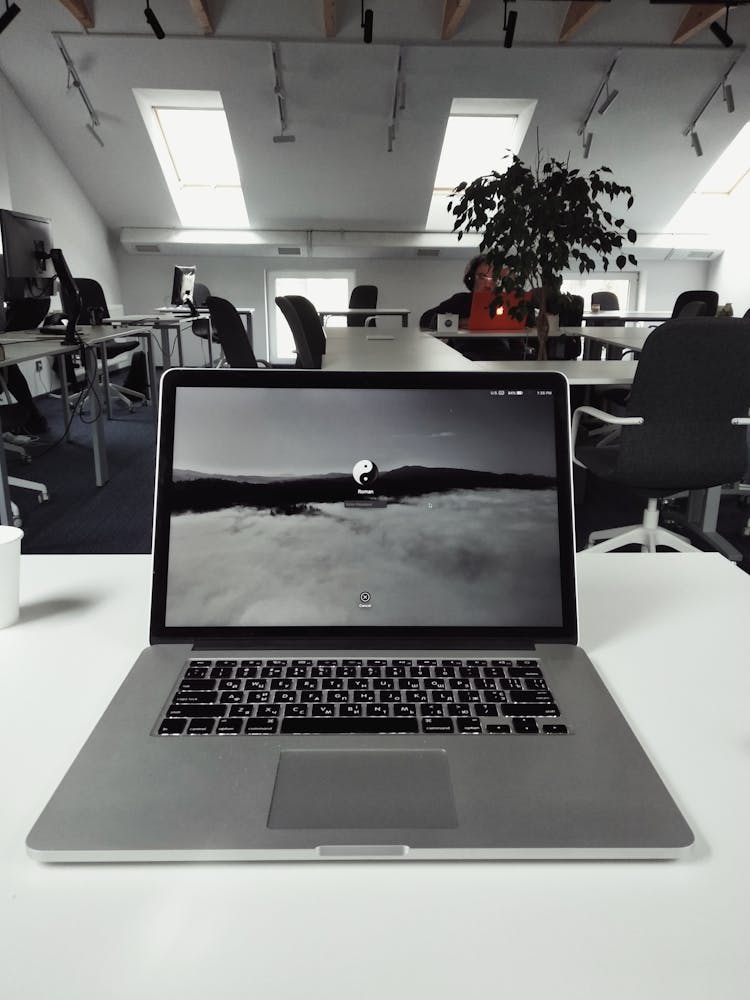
202	15
578	14
80	11
329	18
696	19
453	15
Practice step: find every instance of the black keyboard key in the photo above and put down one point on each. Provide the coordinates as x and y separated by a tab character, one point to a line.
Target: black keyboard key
459	710
357	684
554	728
363	696
302	663
276	663
321	671
337	696
525	726
201	727
283	684
350	711
501	663
221	672
364	724
260	696
390	697
200	663
377	710
377	663
445	671
402	663
433	684
267	711
306	684
442	696
232	698
351	663
476	663
508	684
246	671
324	711
469	726
497	729
404	711
327	663
527	663
431	709
172	727
271	671
296	672
483	711
521	709
386	684
241	711
311	697
284	697
435	724
409	684
370	671
533	697
262	727
230	685
251	663
195	697
468	696
395	671
295	710
332	684
229	727
256	685
452	663
346	671
468	672
196	711
493	671
195	672
535	684
525	671
198	684
423	671
415	696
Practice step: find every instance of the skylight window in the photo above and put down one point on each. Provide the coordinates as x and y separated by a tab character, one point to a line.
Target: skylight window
731	168
479	134
190	134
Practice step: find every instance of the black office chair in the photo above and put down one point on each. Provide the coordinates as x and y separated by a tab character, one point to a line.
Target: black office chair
230	332
201	326
362	297
605	301
93	311
695	303
683	424
307	330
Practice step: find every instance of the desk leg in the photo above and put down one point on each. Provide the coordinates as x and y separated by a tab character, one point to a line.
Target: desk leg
101	472
165	352
701	519
6	511
153	382
179	345
65	397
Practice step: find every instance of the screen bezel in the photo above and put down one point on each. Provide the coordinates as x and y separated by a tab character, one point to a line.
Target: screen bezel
374	636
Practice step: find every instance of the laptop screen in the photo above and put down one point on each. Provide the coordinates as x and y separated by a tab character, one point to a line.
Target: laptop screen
300	502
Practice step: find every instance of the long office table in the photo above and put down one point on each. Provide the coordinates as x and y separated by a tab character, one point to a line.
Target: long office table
630	315
397	311
402	349
658	628
28	345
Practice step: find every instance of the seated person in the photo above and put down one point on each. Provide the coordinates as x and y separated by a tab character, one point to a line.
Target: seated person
479	276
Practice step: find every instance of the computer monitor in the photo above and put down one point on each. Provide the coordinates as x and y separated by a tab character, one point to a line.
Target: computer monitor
30	264
182	287
27	243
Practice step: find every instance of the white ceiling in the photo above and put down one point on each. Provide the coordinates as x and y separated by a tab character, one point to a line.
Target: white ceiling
338	175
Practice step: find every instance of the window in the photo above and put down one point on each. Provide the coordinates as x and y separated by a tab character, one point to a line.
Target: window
325	289
624	286
190	134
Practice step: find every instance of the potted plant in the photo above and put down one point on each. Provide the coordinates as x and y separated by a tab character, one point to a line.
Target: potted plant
537	223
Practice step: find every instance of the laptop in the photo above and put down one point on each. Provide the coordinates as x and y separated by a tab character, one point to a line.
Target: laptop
491	311
363	638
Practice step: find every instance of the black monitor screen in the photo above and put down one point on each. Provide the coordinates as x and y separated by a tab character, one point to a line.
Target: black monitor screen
182	285
27	242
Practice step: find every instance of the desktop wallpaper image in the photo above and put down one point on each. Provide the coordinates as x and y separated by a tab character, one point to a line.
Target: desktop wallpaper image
457	525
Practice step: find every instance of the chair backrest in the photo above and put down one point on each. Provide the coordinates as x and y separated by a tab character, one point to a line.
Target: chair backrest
685	303
605	300
231	334
93	300
307	330
693	376
200	294
362	297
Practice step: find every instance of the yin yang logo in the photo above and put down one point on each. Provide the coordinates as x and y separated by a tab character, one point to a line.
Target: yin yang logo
365	472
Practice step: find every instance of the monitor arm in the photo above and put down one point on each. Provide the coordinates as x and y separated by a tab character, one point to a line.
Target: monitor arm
69	294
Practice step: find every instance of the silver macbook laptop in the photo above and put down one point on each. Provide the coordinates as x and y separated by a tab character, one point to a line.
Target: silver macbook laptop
363	638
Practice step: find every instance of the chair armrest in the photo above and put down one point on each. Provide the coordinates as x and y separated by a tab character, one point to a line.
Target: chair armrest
262	364
741	421
600	415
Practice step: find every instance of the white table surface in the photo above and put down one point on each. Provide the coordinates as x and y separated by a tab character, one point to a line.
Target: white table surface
631	315
398	349
659	628
577	372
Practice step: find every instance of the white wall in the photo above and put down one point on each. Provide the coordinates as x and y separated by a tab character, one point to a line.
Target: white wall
729	274
416	284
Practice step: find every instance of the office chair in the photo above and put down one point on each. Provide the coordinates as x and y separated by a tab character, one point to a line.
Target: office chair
362	297
307	330
21	314
695	303
683	427
230	332
94	310
606	301
202	326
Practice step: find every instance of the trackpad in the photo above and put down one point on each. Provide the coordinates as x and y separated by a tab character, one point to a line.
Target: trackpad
362	789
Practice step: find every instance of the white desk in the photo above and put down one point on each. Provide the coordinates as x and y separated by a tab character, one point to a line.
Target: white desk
368	349
631	315
612	373
398	311
657	628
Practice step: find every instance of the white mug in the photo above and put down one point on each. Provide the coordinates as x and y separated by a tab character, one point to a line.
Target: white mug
10	565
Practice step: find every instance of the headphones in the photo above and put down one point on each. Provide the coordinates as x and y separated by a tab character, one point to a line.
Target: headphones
471	270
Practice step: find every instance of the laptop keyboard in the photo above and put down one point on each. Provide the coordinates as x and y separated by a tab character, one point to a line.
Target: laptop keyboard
235	697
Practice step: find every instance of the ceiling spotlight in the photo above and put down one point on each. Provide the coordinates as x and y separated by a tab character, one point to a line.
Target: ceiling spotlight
366	25
587	140
729	97
153	21
696	143
722	33
509	25
11	9
608	100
